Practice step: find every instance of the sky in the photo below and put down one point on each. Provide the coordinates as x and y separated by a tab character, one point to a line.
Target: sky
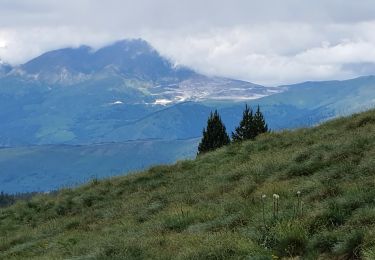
269	42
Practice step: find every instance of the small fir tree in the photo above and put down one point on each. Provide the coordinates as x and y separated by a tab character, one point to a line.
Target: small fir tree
214	135
259	123
246	129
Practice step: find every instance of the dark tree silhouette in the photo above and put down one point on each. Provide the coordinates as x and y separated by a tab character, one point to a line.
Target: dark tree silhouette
250	126
214	135
259	123
246	130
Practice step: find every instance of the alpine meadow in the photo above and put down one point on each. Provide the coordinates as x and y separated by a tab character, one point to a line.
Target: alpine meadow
218	206
187	130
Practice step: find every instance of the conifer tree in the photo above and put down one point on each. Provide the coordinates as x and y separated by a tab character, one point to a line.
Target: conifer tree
214	135
246	130
259	123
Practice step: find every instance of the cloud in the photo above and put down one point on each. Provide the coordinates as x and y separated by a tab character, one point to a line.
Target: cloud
275	53
268	42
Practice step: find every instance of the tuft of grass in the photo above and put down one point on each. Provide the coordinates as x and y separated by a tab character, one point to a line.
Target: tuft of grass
290	239
323	242
350	246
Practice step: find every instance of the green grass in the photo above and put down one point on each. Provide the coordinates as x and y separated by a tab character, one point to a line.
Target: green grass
211	207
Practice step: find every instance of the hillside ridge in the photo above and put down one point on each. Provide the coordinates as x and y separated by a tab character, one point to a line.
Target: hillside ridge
219	206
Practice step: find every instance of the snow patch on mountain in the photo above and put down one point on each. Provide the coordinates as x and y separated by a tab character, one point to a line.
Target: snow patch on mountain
162	102
134	66
118	102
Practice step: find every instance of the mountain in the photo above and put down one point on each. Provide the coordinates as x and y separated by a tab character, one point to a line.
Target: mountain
139	66
133	59
34	113
83	96
310	103
128	92
4	68
305	194
299	105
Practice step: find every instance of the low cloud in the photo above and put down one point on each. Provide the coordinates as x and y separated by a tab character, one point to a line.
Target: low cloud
271	43
276	54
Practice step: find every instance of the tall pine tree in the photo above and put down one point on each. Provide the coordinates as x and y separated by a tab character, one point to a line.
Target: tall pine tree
259	123
214	135
246	130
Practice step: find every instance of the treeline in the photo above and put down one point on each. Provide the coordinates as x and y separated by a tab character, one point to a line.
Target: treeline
215	134
9	199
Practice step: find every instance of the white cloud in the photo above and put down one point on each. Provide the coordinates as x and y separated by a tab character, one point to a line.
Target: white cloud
269	42
275	53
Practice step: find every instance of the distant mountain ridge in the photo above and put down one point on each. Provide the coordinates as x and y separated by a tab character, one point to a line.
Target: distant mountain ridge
83	96
128	93
129	58
140	66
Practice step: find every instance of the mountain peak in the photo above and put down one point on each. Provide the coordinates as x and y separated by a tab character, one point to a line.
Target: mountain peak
132	44
132	58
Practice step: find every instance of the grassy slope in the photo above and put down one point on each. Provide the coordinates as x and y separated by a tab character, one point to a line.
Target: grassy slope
210	208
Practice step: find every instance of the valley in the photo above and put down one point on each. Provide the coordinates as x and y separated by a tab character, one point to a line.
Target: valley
127	93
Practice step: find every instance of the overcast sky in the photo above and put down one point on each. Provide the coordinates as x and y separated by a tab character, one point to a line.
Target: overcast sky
270	42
